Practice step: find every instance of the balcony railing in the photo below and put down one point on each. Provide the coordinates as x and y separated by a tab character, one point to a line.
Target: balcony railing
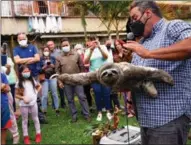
32	8
38	8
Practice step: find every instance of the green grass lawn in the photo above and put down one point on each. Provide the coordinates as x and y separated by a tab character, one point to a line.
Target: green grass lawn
60	130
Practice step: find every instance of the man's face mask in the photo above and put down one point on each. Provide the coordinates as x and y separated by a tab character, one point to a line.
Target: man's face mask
23	43
138	27
66	49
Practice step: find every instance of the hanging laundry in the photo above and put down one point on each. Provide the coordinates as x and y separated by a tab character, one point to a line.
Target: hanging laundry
59	24
30	27
54	25
48	24
33	25
36	25
41	25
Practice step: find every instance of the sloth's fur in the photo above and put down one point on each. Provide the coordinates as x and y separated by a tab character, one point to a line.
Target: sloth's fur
121	76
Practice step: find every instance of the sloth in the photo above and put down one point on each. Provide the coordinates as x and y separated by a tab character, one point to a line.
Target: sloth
121	76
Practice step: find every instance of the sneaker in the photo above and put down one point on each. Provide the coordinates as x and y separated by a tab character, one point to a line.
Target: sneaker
109	116
103	110
99	117
16	139
26	140
38	138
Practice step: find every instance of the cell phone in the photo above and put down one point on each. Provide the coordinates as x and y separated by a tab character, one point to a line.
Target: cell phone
3	60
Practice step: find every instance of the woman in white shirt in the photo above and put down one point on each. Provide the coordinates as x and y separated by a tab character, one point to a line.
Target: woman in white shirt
97	55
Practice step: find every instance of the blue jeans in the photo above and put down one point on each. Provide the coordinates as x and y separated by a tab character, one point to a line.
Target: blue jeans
52	85
102	94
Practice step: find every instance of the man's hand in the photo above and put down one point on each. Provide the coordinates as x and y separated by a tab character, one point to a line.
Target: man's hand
52	65
137	48
5	88
130	108
92	45
60	84
8	66
31	61
44	67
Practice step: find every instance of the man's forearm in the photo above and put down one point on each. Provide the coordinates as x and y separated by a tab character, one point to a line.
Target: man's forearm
170	56
37	58
87	59
19	97
182	46
22	60
103	53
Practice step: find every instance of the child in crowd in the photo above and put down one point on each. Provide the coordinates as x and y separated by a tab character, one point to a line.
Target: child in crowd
26	90
5	113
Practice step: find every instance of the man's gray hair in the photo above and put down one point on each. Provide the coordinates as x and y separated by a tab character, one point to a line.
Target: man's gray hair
143	5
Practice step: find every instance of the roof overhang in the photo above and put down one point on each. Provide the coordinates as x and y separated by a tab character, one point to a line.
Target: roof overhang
77	35
13	26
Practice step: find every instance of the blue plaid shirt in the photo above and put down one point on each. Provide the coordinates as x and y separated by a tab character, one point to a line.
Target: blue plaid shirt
171	102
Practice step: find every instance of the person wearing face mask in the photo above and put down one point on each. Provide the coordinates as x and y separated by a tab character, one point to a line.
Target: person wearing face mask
26	91
55	52
113	95
70	62
165	119
97	55
80	50
9	70
48	68
26	53
10	73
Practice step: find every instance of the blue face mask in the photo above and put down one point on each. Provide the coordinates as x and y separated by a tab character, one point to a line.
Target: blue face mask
26	75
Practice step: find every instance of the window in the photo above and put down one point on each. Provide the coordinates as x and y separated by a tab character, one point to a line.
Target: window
40	7
23	8
6	9
55	7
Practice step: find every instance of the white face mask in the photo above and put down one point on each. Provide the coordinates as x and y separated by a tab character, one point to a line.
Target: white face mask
23	43
66	49
46	53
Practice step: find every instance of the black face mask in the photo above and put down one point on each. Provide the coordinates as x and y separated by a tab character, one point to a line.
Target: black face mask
108	46
138	27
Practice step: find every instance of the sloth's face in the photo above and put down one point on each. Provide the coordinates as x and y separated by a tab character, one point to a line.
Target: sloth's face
110	76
